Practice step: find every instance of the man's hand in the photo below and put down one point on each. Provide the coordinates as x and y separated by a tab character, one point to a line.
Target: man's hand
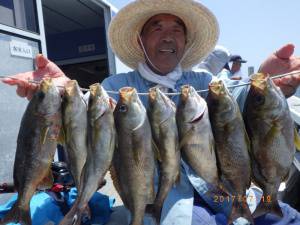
280	62
45	68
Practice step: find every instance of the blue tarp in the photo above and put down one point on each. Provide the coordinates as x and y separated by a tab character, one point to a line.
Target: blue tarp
45	208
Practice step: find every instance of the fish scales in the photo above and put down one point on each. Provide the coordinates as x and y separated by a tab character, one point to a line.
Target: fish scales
36	145
271	132
232	147
162	117
195	135
133	161
101	144
74	110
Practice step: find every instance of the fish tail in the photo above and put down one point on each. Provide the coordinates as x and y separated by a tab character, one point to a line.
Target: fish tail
76	215
240	209
155	211
268	207
17	215
222	189
137	217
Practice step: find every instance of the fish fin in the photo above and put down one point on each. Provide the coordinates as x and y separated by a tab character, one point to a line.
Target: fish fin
114	177
275	129
177	180
156	151
247	140
240	209
85	214
62	136
186	137
47	181
17	215
268	207
154	211
82	215
112	103
224	186
152	194
101	183
296	139
248	145
72	217
212	146
44	133
136	156
138	148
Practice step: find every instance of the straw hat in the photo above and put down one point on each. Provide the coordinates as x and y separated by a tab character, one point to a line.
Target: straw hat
202	29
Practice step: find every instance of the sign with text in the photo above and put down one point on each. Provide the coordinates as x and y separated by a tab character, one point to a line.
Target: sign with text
22	49
86	48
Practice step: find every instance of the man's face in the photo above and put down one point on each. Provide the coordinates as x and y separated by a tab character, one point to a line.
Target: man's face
164	39
236	66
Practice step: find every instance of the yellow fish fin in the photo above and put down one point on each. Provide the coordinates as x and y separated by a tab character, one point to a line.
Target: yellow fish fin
44	133
62	136
296	140
156	151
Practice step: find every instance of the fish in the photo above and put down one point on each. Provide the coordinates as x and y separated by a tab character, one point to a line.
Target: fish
232	146
133	162
74	112
162	117
101	135
37	139
271	131
195	135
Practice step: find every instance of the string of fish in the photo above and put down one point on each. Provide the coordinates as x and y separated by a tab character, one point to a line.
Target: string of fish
170	94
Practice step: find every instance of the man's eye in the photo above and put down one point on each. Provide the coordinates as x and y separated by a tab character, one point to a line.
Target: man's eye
178	31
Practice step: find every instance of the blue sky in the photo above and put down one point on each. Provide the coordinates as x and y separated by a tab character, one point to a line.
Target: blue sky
253	28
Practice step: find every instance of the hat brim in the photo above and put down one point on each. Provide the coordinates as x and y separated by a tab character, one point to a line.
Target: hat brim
239	60
202	29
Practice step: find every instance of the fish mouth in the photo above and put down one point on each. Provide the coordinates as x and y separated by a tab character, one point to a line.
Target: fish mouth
153	93
126	93
259	76
185	92
94	89
217	88
70	87
259	81
46	84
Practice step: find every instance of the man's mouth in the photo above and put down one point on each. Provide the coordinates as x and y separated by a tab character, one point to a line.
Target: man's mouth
167	51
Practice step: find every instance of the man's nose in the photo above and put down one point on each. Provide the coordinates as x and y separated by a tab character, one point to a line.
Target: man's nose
168	36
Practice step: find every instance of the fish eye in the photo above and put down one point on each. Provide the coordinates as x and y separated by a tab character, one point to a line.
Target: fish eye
41	95
123	108
260	99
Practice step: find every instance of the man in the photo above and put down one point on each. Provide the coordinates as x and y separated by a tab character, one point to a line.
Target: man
161	40
236	68
215	61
